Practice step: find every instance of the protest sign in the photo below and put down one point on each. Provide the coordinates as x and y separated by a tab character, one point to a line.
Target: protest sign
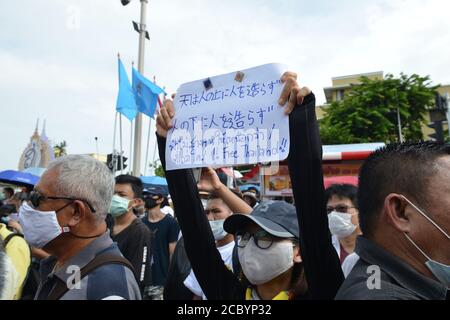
228	120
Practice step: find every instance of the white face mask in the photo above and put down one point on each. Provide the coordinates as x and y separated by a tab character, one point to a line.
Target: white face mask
340	224
217	229
439	270
39	227
262	265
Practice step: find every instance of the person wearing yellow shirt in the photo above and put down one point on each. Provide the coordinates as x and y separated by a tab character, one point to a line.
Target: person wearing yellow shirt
18	251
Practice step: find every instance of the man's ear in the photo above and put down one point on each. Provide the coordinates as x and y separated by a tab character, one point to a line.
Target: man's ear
139	202
297	255
134	203
396	213
78	213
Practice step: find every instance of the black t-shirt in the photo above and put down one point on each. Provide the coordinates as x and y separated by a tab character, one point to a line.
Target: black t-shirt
135	243
179	269
164	232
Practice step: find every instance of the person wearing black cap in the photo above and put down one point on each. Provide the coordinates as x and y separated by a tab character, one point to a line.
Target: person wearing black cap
269	239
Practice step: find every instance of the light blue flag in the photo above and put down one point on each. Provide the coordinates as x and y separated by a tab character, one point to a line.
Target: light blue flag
146	94
126	104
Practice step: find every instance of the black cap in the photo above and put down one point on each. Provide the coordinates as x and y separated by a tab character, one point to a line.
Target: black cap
154	190
278	218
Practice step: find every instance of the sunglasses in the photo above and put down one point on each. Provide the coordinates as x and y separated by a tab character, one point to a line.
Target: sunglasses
35	199
339	208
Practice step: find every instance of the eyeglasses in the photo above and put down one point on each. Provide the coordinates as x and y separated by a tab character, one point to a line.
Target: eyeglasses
339	208
262	238
36	198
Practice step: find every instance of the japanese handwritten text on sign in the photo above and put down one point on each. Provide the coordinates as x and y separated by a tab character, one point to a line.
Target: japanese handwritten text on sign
223	122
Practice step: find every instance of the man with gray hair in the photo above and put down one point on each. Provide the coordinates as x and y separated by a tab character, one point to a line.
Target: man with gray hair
65	216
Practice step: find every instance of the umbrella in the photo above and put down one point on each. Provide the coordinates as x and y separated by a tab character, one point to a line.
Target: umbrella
36	171
155	184
328	181
18	178
154	180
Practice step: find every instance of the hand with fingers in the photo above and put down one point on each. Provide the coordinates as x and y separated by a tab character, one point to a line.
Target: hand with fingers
15	225
209	181
164	118
291	93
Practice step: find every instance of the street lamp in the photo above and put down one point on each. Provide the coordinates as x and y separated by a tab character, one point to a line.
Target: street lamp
138	122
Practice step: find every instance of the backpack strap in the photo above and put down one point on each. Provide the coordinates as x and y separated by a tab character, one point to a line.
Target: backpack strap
10	236
31	281
235	260
103	259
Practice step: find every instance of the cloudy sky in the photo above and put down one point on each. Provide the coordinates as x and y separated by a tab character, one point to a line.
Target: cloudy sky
58	58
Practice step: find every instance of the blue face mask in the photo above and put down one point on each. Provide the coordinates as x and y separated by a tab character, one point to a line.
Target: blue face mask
119	206
439	270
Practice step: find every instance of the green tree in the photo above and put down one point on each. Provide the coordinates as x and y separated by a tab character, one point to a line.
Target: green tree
369	112
157	167
60	149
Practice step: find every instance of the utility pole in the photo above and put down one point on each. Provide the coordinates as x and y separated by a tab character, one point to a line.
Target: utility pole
138	121
141	29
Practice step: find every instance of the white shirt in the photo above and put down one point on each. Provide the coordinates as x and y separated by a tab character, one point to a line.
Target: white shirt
349	262
226	252
167	210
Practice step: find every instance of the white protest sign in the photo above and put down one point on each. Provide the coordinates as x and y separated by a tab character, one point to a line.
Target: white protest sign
228	120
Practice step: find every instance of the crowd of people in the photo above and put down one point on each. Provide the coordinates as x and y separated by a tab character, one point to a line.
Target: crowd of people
84	234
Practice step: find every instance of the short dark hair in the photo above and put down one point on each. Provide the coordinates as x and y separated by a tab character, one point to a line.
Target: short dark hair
135	183
7	209
9	190
253	189
404	168
342	191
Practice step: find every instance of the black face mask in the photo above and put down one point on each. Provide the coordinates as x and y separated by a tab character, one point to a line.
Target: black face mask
150	203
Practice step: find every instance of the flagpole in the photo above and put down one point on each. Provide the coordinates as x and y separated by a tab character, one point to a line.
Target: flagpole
121	149
155	151
138	124
131	141
114	145
148	143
